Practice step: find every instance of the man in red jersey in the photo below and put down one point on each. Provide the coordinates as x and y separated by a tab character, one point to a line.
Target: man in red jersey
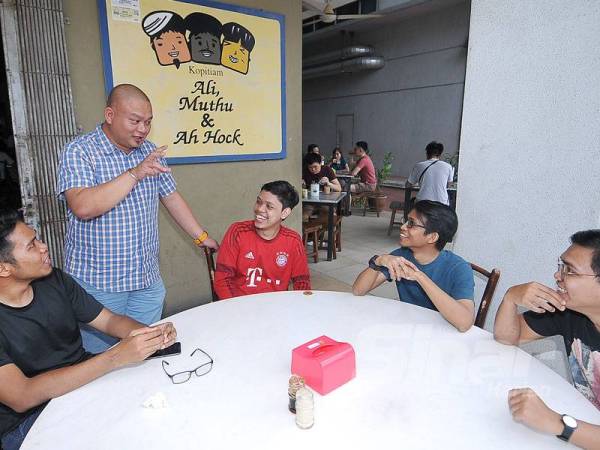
261	255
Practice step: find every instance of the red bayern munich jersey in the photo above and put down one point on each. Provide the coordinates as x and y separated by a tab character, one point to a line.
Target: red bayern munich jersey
248	264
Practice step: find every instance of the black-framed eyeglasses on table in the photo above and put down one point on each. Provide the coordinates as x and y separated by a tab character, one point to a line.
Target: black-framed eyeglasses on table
183	376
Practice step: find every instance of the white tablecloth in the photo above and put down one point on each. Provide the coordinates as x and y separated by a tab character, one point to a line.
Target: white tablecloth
420	384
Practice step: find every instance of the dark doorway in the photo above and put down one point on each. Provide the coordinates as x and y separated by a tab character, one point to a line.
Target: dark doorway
10	193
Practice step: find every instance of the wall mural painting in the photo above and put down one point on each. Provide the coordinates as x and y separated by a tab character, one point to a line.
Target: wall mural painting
215	74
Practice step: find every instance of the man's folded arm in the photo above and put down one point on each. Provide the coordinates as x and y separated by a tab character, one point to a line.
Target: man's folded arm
22	393
114	325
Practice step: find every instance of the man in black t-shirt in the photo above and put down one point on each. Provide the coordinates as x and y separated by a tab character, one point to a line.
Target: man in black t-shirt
571	310
315	172
41	355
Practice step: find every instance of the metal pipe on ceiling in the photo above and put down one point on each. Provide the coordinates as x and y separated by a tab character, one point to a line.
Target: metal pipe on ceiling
352	51
359	64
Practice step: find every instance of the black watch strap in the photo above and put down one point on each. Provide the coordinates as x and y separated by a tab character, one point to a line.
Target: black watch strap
372	264
568	429
384	270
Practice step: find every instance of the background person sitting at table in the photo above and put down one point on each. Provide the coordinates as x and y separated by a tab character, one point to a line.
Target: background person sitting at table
433	176
314	148
337	160
41	354
262	255
425	274
572	310
364	169
315	172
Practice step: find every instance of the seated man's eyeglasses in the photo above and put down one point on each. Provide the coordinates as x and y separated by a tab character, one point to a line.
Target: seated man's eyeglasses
410	223
564	271
182	377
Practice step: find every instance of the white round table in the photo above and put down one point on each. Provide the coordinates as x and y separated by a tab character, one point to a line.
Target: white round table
420	384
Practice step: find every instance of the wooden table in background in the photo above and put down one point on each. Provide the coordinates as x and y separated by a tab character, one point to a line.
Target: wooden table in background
331	200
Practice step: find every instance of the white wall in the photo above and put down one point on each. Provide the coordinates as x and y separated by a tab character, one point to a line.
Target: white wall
414	99
530	146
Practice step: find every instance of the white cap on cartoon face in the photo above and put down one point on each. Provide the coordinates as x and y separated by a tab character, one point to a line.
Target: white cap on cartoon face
156	21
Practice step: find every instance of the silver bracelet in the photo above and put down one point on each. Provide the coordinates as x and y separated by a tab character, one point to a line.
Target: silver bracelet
130	172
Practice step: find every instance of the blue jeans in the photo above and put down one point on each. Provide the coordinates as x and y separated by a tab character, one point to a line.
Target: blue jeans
143	305
14	439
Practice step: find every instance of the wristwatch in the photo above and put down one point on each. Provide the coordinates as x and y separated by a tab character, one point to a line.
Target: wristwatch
374	265
570	425
384	270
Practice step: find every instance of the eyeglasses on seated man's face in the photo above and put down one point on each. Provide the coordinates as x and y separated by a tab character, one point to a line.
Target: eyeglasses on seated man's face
564	271
410	223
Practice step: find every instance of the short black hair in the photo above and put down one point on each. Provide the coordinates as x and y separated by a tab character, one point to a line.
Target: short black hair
203	23
363	145
434	149
312	158
285	192
437	218
590	239
311	147
234	32
8	221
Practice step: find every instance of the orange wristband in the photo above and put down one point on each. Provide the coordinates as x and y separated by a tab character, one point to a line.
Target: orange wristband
200	239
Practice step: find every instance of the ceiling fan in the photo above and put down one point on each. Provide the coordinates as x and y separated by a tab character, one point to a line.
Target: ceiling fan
326	12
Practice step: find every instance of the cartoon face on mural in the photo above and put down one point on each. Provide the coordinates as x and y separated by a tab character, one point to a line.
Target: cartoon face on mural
238	42
205	38
166	30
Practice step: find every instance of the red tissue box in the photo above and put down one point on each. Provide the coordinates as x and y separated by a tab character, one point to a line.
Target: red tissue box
324	364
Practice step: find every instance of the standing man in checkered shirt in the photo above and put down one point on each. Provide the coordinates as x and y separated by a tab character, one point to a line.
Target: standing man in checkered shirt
112	179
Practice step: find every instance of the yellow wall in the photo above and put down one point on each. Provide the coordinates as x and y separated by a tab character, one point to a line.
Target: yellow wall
219	194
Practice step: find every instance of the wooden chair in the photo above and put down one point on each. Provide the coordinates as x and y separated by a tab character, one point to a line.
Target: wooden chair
210	264
337	236
310	231
488	293
395	206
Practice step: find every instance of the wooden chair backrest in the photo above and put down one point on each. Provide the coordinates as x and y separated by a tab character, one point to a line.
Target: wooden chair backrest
488	293
210	264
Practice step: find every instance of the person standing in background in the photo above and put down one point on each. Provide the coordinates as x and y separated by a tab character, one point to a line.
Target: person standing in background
433	175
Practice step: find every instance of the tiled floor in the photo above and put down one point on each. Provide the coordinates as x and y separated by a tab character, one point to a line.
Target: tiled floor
362	237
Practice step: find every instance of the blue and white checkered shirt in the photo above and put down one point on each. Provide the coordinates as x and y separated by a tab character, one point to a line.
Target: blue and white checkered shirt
117	251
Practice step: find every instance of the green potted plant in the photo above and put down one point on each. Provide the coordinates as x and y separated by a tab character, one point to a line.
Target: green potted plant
386	169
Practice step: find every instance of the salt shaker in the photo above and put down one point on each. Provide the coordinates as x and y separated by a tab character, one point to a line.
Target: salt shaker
296	382
305	412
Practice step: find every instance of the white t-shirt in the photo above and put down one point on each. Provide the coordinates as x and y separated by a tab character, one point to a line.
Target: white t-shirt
434	182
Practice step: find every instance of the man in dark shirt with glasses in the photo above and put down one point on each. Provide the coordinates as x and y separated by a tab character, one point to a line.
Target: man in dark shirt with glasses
572	310
41	355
